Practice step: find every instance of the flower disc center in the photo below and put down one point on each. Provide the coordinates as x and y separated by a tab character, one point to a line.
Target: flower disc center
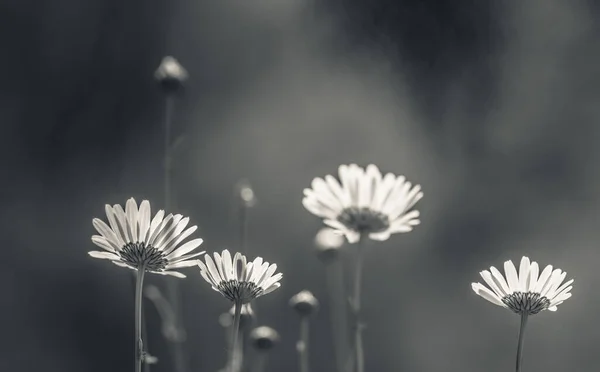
530	303
242	291
136	254
364	220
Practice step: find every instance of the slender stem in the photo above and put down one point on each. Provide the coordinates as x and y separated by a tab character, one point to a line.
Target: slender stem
235	328
260	361
520	344
339	315
244	228
139	345
358	344
172	292
303	344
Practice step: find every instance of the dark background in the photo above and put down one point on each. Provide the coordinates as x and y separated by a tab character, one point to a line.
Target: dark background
491	106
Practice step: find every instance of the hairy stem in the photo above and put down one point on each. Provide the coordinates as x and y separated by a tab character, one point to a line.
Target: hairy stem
303	344
235	330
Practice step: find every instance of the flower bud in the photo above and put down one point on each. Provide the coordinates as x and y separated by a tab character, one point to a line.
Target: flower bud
264	338
328	244
246	194
170	74
305	303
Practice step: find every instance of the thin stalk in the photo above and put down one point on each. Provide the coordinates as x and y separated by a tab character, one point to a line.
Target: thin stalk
358	344
235	330
260	361
139	345
339	315
244	228
520	343
303	344
172	289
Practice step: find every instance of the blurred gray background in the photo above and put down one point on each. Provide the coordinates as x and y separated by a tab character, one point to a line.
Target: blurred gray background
491	106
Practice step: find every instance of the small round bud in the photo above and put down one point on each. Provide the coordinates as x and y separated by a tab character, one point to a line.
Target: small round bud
264	338
150	359
170	74
305	303
247	317
328	243
246	194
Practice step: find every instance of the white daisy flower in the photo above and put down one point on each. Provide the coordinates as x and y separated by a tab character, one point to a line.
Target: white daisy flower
525	292
365	202
134	241
237	279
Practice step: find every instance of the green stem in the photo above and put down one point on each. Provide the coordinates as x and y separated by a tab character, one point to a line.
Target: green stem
303	344
520	344
139	345
358	344
235	328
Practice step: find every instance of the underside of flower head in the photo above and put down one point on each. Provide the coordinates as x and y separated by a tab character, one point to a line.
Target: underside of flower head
364	202
525	292
239	280
134	241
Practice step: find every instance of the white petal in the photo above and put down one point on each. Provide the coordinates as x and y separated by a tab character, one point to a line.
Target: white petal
227	265
122	220
533	276
267	274
170	273
487	294
500	281
352	236
112	220
180	264
524	274
271	289
156	221
511	276
131	211
212	270
487	276
101	242
144	220
171	246
104	255
186	248
380	236
107	233
543	279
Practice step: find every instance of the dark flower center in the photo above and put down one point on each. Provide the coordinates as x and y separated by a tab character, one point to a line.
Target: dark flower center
530	303
239	291
136	254
364	220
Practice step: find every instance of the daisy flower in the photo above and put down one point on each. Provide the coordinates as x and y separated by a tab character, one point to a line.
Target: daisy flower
525	292
239	280
364	202
134	241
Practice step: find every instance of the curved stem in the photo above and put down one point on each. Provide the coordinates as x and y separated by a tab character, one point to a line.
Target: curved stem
139	345
358	344
235	328
520	344
303	344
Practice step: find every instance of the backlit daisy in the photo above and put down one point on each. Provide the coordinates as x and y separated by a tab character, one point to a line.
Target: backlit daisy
239	280
525	292
133	240
364	202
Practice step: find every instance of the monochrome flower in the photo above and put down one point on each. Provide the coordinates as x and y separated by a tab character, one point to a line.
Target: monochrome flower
134	241
364	202
239	280
525	292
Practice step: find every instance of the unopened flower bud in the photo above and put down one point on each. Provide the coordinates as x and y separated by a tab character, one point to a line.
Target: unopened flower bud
246	194
170	74
264	338
328	244
305	303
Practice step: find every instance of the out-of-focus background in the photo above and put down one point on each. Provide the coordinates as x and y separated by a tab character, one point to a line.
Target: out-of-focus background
491	106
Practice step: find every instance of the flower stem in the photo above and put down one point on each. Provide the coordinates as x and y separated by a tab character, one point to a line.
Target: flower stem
358	344
235	328
139	345
520	344
303	344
